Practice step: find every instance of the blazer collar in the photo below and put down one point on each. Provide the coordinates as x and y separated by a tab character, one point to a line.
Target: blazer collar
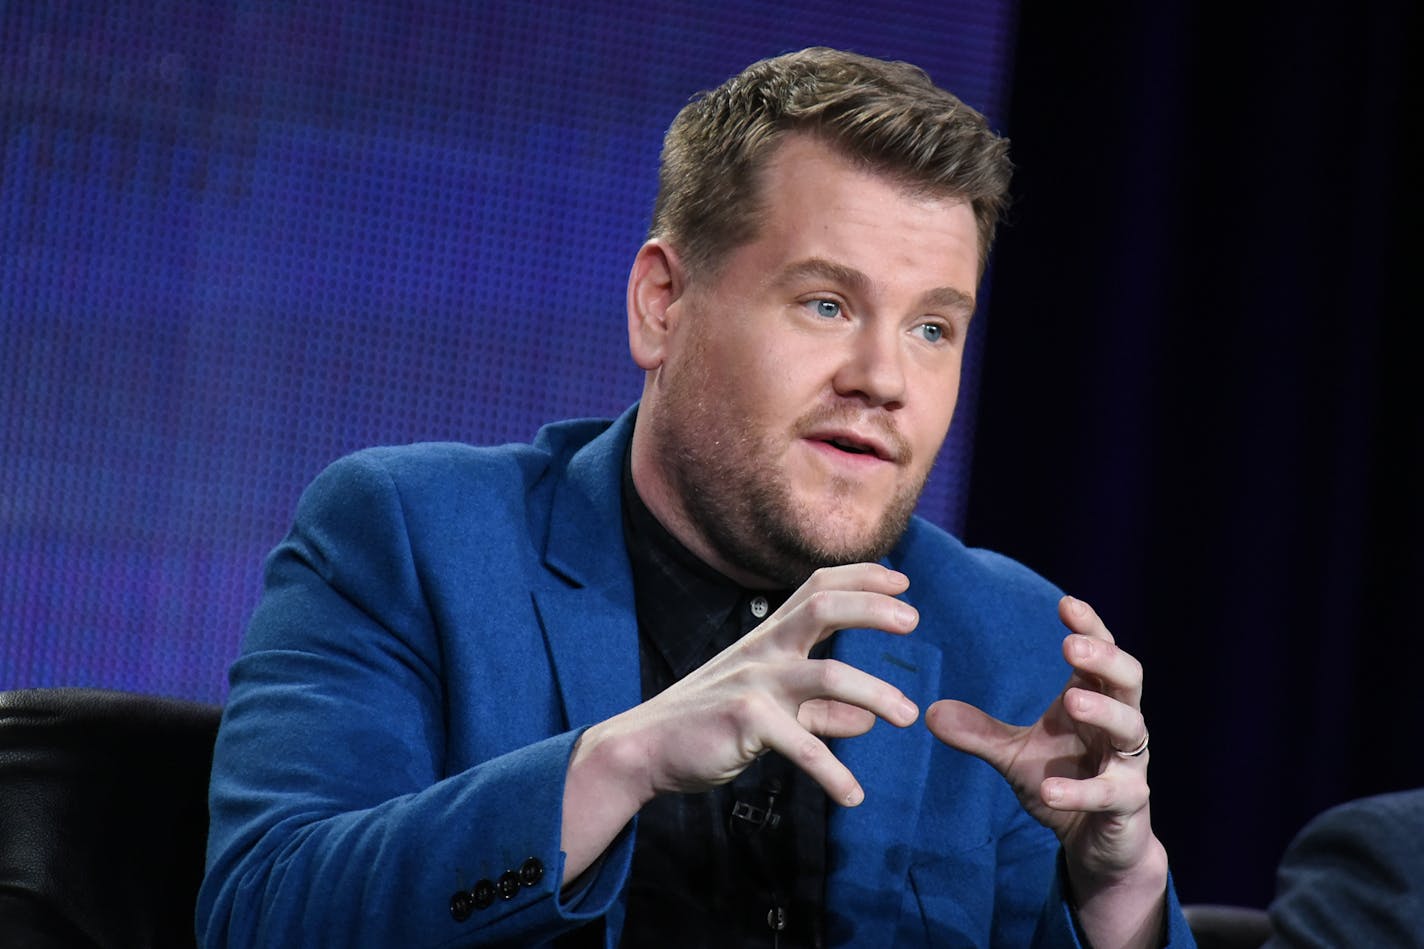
585	599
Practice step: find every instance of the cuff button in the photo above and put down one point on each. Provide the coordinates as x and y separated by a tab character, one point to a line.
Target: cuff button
508	885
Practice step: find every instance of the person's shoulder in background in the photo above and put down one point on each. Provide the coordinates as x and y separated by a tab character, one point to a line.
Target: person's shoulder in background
1354	876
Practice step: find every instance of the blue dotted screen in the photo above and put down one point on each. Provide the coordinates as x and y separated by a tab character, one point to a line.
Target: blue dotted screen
240	239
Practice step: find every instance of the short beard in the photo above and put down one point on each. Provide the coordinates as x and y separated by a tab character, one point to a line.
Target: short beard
760	532
749	518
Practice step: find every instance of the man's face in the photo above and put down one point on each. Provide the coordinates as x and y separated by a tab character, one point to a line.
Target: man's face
798	397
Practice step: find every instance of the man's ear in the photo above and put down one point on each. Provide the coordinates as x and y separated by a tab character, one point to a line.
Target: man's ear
655	284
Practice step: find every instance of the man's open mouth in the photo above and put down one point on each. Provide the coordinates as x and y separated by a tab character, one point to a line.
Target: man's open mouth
853	447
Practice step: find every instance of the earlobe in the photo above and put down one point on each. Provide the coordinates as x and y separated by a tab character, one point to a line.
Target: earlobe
654	285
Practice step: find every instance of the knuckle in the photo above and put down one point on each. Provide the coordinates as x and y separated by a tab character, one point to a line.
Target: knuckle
808	751
813	714
818	606
747	706
1131	799
889	614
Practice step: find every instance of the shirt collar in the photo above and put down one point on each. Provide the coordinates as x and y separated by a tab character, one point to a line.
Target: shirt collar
688	610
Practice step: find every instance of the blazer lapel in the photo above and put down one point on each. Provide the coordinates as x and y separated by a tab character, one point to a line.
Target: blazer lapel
869	846
585	600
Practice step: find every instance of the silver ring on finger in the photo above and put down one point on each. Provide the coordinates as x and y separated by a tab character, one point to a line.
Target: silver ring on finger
1136	751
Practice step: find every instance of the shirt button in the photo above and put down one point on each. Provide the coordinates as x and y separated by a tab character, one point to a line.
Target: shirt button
759	607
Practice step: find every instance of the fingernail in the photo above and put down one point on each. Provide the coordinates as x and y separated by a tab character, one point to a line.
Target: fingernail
855	796
908	711
1082	647
907	615
1053	794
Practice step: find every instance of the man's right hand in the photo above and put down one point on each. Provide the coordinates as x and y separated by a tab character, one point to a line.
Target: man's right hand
760	694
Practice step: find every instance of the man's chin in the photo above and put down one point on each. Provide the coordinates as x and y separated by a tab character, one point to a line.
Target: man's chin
831	542
786	552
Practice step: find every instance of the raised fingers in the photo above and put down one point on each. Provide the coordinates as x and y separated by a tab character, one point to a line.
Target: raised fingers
1082	618
831	719
854	595
1091	651
870	577
1110	792
851	577
1121	724
784	735
810	683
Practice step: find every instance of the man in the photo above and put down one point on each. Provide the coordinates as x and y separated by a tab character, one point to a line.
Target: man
435	733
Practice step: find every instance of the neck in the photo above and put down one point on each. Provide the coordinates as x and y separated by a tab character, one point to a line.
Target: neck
662	499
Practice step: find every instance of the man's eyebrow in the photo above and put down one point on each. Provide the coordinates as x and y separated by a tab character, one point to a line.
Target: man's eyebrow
819	268
948	298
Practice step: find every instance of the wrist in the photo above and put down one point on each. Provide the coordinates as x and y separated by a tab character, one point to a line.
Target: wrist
1123	908
615	765
604	788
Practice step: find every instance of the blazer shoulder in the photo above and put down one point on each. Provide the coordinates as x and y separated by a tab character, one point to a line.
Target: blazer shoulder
971	579
445	470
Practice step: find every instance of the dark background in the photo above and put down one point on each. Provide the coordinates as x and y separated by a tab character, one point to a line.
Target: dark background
239	239
1202	408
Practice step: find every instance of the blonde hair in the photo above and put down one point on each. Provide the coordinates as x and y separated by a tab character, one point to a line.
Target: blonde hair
888	115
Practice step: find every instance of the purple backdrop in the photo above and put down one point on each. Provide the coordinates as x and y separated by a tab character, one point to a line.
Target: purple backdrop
238	240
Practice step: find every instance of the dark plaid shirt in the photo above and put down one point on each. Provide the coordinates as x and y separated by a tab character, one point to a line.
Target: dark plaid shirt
745	863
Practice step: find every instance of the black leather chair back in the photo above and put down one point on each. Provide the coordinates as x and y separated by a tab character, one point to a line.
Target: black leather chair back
103	818
1218	926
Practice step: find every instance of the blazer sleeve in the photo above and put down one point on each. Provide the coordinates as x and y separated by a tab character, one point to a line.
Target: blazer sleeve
333	820
1058	927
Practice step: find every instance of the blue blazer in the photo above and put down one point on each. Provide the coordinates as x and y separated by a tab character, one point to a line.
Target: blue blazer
441	624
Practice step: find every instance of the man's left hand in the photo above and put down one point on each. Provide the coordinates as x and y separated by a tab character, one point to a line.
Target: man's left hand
1076	772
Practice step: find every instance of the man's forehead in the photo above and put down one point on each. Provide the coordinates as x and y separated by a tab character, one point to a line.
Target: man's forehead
812	170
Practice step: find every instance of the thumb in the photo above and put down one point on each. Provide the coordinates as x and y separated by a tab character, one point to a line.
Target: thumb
962	726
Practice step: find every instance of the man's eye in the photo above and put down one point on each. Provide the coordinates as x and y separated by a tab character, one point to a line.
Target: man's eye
829	309
932	332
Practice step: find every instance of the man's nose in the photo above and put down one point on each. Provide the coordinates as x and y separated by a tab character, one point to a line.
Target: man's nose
873	368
